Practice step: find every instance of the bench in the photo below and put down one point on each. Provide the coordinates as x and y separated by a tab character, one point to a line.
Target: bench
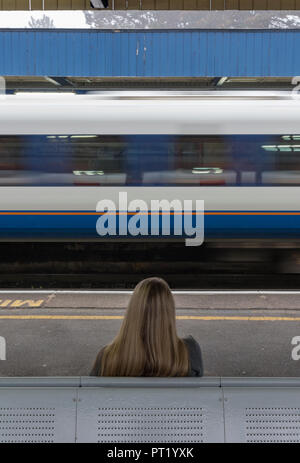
154	410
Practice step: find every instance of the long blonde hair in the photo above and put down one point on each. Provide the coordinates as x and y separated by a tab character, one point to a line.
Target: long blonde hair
147	343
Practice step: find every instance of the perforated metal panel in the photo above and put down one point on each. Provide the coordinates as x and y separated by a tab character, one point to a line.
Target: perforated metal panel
150	415
37	415
272	424
27	424
142	424
262	415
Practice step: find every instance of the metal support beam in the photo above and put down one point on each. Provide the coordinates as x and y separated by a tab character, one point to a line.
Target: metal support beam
219	81
61	81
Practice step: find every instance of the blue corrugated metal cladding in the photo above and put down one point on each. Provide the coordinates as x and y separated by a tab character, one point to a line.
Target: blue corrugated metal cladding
150	53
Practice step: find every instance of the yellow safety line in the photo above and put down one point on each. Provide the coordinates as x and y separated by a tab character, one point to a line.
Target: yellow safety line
120	317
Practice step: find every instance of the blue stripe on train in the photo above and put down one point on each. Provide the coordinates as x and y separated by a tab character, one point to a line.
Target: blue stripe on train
84	226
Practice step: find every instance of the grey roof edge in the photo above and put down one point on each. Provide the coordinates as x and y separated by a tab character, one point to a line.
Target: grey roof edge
259	382
89	381
53	381
142	382
186	382
150	19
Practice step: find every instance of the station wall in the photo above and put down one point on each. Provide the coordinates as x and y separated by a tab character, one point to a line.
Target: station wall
153	4
150	53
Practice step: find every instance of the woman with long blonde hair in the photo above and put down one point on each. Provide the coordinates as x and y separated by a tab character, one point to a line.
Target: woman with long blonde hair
147	343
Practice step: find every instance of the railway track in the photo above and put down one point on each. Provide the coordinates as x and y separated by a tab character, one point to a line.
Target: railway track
122	265
176	281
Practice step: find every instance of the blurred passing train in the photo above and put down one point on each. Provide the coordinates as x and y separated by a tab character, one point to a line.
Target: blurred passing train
59	155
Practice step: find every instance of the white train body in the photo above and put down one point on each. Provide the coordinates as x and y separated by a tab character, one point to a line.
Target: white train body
238	154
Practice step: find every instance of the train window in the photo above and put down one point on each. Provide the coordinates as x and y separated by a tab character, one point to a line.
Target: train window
207	160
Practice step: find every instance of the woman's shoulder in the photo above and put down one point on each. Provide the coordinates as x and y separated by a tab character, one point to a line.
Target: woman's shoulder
97	365
191	342
195	355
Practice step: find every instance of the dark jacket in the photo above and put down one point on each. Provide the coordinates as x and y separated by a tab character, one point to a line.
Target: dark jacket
195	356
196	363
